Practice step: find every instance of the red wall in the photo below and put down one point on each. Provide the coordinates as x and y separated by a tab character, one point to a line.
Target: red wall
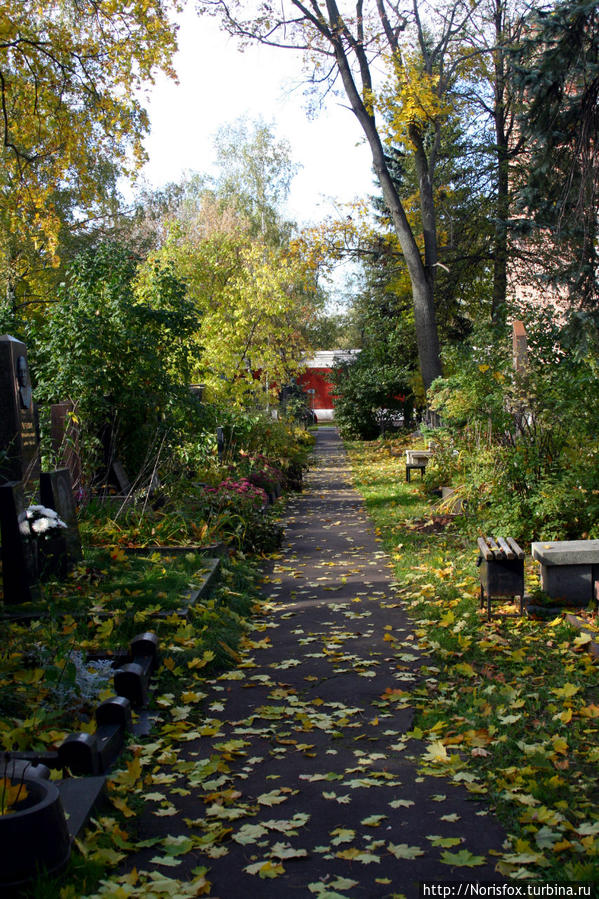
318	380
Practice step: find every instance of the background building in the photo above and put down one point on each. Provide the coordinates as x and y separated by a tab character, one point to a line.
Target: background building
316	381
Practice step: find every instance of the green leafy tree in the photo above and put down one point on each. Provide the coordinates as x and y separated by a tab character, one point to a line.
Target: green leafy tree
250	299
252	284
521	446
381	382
117	345
557	74
256	171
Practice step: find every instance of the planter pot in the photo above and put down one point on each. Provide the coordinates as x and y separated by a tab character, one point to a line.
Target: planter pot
53	557
34	837
294	477
453	503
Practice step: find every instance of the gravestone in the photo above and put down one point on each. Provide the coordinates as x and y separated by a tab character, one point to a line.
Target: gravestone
119	474
569	569
19	450
519	347
56	492
113	474
65	439
220	441
19	547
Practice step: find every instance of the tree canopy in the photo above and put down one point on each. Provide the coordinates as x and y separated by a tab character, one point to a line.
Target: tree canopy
71	114
557	75
344	45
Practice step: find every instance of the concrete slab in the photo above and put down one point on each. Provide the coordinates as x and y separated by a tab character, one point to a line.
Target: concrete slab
566	552
80	796
571	583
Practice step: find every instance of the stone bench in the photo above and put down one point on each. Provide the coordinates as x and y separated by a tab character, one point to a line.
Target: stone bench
569	569
416	460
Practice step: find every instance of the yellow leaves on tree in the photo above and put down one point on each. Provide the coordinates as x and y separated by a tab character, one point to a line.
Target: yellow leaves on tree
70	77
251	298
412	100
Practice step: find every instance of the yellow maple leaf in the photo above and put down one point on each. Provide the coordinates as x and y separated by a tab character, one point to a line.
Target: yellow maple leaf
465	668
123	807
560	745
561	846
436	752
566	692
207	657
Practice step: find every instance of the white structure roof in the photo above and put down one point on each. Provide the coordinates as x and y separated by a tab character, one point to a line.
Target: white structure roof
327	358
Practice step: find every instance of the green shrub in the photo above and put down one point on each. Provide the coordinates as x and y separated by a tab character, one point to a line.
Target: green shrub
522	446
119	348
363	389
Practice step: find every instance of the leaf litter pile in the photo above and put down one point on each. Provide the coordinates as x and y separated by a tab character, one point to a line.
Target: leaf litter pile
353	751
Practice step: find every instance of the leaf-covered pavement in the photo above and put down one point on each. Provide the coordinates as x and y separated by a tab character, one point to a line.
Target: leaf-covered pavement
297	770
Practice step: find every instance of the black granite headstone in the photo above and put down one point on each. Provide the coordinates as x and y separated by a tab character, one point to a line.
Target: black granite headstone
19	547
56	492
220	441
19	451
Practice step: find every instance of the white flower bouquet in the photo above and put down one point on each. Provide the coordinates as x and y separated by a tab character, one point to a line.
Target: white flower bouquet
41	522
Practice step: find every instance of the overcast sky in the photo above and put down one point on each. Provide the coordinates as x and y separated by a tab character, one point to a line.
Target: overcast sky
218	84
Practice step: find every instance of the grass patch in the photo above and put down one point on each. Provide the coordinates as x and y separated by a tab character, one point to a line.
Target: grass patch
510	707
48	688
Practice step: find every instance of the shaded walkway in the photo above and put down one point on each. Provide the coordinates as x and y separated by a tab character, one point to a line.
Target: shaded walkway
303	775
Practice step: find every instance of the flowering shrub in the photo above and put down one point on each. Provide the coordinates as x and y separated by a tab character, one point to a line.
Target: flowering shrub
242	495
235	511
263	474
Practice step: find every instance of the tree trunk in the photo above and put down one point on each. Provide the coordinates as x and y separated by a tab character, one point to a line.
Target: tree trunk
502	156
427	336
427	204
500	239
425	320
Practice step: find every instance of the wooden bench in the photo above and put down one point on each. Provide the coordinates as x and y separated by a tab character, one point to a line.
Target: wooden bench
569	569
501	570
416	460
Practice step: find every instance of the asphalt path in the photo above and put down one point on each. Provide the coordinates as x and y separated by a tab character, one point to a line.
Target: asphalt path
300	780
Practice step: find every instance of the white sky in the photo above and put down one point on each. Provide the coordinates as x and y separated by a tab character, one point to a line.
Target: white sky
218	84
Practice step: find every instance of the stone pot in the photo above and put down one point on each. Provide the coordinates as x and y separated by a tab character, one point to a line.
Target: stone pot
455	505
34	838
53	556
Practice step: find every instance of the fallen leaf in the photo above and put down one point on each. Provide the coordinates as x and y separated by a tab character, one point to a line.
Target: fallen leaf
402	850
462	859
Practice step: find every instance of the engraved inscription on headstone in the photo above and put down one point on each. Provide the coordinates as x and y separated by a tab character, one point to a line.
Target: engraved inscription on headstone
19	547
19	450
56	493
